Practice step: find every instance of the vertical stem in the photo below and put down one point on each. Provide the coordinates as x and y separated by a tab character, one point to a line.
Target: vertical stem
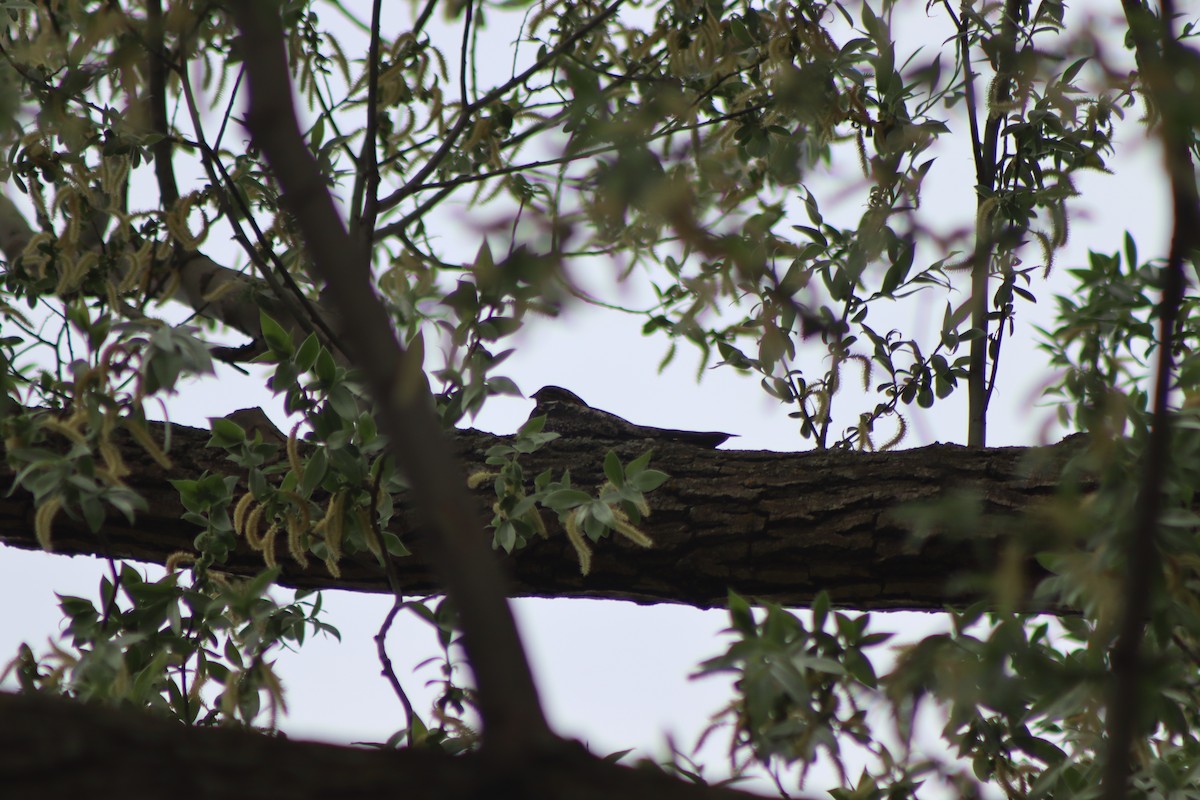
987	168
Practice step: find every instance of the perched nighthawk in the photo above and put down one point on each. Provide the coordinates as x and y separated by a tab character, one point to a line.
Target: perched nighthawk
567	414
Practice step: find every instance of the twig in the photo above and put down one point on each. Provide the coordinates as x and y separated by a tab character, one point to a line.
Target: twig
464	118
389	568
389	671
362	225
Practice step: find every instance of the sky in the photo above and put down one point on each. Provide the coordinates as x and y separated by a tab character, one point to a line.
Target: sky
615	674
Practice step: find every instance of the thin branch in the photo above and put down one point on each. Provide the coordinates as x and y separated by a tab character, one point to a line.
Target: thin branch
389	672
595	151
156	66
313	313
451	137
393	578
514	724
423	18
363	214
298	306
464	56
985	240
964	45
447	187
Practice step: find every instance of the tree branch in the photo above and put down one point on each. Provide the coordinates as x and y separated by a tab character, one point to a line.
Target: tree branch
54	749
776	526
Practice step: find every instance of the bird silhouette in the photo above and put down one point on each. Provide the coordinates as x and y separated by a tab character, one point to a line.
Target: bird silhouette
568	414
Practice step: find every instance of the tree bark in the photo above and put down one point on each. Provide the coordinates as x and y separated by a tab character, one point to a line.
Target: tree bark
774	526
54	749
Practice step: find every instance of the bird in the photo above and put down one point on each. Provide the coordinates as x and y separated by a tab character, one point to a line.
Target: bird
255	420
567	413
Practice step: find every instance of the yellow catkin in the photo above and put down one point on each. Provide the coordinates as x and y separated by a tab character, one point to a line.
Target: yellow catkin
332	566
113	171
295	534
221	289
293	450
43	520
641	505
63	429
477	479
626	529
73	273
251	530
576	538
268	545
142	437
177	223
335	528
113	462
240	510
534	517
364	522
178	559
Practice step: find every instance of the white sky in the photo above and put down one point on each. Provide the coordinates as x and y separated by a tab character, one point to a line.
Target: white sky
615	674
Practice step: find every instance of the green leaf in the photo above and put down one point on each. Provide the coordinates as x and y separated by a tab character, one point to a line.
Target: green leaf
326	368
227	433
612	469
506	536
648	480
276	338
306	356
600	511
638	464
565	499
314	472
740	615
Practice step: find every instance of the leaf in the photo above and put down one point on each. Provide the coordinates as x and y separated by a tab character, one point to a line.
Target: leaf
314	472
565	499
813	234
740	615
1069	74
307	354
275	337
648	480
898	272
600	511
613	470
639	463
227	433
502	385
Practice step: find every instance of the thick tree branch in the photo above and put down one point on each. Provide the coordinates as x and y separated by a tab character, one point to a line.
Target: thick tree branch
777	526
58	750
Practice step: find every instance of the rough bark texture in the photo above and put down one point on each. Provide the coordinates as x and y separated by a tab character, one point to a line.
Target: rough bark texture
777	526
54	749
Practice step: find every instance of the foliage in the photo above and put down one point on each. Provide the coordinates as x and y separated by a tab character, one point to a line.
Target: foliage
685	147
